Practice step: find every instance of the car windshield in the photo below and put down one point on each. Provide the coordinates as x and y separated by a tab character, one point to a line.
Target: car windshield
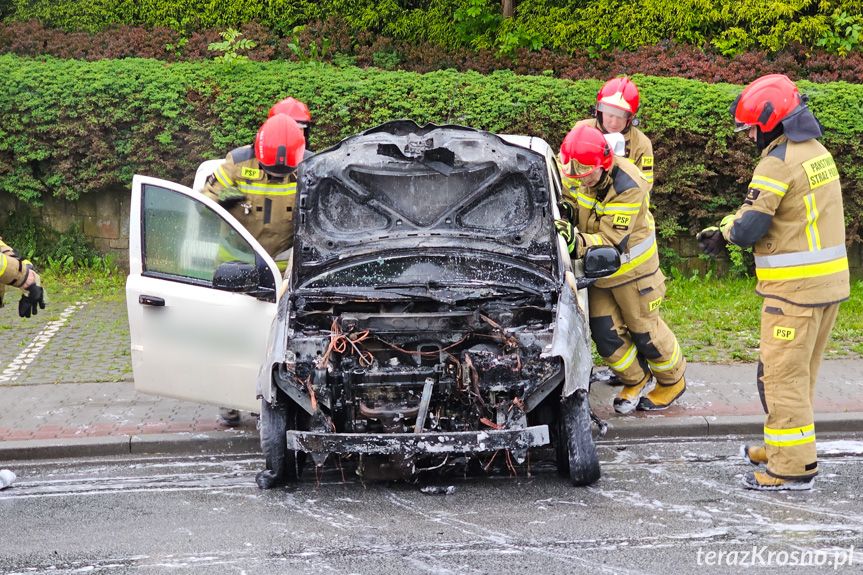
434	272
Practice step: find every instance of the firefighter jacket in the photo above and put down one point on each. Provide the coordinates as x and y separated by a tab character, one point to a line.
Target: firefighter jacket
615	212
793	217
268	212
639	151
13	271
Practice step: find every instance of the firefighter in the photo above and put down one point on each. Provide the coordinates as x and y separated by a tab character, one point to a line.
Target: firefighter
297	110
793	218
19	273
257	184
612	209
616	106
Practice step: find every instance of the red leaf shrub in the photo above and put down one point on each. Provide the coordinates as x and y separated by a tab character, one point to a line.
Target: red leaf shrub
666	59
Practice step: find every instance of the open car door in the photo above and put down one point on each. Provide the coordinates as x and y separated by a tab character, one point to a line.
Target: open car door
201	296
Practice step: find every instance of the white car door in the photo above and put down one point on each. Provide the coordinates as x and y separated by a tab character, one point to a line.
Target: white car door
190	340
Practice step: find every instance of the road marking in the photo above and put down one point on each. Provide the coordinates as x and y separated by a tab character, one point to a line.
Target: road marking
18	365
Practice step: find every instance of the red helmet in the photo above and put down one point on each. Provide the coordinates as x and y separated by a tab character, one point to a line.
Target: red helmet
280	145
588	148
765	102
293	109
618	95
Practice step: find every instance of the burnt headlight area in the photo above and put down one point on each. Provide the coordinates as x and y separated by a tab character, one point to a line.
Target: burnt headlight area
406	368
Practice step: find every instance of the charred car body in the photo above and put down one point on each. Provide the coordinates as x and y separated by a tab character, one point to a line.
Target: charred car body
431	311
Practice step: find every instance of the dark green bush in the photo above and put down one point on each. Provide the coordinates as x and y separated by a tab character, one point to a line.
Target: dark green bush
74	127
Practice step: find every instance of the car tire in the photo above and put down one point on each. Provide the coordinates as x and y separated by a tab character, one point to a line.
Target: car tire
283	465
582	456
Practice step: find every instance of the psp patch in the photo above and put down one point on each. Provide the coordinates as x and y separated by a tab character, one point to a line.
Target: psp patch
251	173
785	333
647	162
654	304
621	222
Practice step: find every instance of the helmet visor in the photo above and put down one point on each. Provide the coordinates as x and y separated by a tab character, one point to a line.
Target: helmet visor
741	126
579	170
607	108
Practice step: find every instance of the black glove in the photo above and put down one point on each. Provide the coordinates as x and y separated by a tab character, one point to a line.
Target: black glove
32	301
711	241
230	197
567	212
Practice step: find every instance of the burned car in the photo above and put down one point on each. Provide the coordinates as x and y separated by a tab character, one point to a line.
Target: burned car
430	312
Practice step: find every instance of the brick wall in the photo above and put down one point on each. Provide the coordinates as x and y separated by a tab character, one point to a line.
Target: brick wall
101	216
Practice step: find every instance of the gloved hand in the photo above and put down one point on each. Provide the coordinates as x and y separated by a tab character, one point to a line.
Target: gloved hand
567	212
711	241
230	197
564	228
33	299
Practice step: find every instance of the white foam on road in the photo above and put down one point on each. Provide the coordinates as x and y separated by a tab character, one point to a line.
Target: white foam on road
844	447
19	365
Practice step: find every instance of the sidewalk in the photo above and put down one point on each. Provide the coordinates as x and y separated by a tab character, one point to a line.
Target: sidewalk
66	391
109	418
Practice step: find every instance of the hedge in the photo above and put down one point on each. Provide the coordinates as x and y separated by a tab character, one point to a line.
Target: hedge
564	24
72	127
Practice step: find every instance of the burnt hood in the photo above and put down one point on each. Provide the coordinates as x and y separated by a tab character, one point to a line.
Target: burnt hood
400	188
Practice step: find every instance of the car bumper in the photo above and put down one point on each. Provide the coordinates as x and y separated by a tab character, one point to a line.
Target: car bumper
418	443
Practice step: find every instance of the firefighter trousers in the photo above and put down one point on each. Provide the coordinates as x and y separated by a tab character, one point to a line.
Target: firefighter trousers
629	334
793	339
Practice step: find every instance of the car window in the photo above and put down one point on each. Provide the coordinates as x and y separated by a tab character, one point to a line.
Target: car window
186	239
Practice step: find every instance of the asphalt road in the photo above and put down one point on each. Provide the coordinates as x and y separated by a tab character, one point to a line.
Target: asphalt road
661	507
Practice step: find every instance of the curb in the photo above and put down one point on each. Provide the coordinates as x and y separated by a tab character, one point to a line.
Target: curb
716	425
144	444
249	441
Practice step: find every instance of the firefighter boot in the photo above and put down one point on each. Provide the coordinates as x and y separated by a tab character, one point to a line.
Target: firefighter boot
764	482
754	454
627	399
662	396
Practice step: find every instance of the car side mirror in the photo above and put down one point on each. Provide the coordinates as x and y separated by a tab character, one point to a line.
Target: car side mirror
236	276
599	261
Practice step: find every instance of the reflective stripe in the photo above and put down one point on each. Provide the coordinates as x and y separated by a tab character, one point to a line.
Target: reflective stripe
585	201
812	219
223	177
800	258
270	189
625	361
648	176
3	263
636	261
788	437
802	272
596	239
768	184
638	249
667	365
624	209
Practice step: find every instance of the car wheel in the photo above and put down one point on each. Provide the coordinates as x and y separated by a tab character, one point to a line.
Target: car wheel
283	464
582	456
